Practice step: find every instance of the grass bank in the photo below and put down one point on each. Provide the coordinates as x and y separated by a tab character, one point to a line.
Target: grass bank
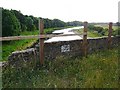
94	34
9	47
106	26
98	70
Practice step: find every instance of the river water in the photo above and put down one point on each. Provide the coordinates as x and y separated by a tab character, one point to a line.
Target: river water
65	38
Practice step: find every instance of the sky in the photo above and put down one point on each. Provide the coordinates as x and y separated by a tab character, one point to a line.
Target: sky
67	10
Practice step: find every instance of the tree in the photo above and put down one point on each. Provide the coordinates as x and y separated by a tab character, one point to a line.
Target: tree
75	23
10	24
35	21
58	23
21	19
29	23
47	23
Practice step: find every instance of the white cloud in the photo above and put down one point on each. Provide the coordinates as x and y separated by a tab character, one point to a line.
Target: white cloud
67	10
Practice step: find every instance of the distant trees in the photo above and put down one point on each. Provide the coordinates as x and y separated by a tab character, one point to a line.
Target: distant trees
29	24
58	23
53	23
75	23
14	22
21	19
48	23
10	24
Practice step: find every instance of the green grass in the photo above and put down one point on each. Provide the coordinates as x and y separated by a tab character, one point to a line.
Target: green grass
94	34
9	47
98	70
46	31
116	29
107	26
36	32
90	33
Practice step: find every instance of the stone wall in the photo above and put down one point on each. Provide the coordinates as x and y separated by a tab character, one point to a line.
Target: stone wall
23	58
74	48
30	57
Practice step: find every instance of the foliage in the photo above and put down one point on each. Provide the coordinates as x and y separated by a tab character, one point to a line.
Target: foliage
98	29
116	32
29	24
75	23
10	24
99	70
90	33
21	19
14	22
54	23
103	30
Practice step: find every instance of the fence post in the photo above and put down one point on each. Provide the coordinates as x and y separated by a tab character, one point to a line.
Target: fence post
109	35
85	39
41	28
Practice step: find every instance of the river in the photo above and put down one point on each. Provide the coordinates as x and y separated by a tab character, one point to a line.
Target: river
65	38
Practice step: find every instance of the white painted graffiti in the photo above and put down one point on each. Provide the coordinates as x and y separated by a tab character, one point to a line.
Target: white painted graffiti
65	48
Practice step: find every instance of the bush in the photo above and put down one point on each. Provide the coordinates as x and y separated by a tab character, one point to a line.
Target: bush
116	32
100	30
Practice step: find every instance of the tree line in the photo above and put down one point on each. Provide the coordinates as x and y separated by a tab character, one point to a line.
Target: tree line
14	22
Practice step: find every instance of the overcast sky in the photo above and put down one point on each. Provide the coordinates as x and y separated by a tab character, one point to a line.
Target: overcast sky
67	10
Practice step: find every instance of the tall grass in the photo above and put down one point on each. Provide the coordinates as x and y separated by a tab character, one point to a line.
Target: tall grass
9	47
98	70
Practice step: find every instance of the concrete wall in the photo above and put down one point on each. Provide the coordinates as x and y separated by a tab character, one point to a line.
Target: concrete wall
30	57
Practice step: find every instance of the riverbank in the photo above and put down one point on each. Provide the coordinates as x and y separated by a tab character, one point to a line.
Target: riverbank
9	47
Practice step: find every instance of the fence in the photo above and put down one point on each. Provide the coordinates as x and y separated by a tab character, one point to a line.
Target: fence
42	36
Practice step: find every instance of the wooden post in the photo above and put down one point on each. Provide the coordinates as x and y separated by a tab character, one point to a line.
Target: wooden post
41	28
109	35
85	39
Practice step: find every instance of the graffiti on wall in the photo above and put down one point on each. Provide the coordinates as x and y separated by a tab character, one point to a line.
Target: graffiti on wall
65	48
